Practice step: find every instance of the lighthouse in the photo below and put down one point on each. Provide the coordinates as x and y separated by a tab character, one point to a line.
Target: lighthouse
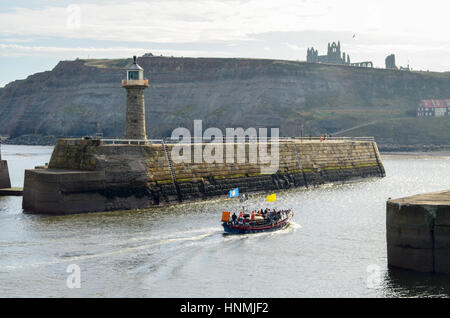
135	116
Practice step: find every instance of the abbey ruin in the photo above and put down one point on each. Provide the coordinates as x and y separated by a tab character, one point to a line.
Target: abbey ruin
334	56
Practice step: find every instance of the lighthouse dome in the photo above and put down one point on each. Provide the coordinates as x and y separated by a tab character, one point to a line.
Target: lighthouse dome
135	66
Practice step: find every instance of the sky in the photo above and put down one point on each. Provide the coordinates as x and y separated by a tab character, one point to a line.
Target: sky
36	35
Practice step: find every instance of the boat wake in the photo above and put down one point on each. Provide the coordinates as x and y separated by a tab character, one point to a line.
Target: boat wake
87	256
287	230
203	236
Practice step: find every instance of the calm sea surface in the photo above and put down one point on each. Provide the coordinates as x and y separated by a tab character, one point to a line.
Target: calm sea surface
335	247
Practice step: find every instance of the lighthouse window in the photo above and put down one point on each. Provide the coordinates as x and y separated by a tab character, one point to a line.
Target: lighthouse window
133	75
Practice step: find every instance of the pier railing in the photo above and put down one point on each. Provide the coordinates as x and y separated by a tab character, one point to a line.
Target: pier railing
226	140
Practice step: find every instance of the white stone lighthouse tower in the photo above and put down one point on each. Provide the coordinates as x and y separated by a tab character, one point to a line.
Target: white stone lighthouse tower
135	117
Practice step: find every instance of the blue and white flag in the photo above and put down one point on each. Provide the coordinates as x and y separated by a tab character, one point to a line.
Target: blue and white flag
234	193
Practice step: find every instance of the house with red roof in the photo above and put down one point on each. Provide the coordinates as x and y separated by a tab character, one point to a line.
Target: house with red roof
433	108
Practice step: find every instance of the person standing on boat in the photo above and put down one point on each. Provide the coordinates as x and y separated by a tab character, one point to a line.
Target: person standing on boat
234	217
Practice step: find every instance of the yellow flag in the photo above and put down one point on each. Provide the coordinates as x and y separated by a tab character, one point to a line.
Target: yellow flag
271	198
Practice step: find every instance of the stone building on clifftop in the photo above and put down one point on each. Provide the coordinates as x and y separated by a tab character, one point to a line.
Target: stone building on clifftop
390	62
334	56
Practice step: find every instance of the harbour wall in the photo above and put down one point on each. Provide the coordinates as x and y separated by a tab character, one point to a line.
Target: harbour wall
4	175
92	175
418	232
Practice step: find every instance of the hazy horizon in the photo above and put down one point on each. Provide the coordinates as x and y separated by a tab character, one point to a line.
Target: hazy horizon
36	35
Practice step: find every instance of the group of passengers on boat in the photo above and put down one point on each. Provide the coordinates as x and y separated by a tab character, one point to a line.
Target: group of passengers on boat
256	216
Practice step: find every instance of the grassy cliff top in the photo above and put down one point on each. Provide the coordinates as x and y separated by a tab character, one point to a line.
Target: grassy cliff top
236	62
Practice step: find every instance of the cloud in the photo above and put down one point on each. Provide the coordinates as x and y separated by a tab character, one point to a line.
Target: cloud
192	21
239	28
167	21
17	50
296	47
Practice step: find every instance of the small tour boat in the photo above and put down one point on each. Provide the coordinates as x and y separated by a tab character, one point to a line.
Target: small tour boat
257	221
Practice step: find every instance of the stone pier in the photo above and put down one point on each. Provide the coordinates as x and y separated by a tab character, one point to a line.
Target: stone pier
91	175
5	182
418	232
4	175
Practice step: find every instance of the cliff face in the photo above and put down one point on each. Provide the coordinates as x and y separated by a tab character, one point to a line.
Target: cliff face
82	97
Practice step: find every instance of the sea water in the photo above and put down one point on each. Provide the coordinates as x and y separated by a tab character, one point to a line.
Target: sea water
334	247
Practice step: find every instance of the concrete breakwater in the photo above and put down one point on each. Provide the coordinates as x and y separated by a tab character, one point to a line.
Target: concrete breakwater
4	175
5	182
418	232
92	175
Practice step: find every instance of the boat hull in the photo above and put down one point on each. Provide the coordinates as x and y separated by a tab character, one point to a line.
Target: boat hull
246	229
